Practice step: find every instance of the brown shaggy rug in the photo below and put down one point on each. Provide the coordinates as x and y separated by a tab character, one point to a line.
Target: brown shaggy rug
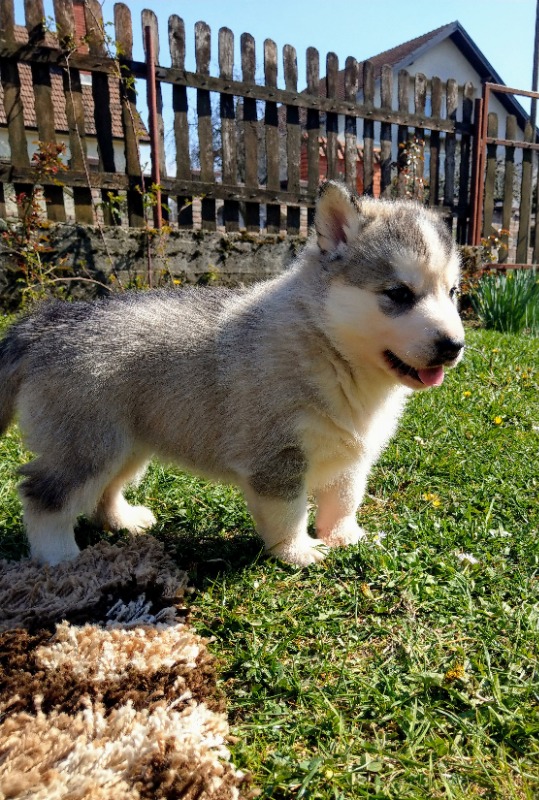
105	691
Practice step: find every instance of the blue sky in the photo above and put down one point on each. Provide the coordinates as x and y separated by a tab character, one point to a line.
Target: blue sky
502	29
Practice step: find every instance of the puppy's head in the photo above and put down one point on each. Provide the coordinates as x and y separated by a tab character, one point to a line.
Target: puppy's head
394	274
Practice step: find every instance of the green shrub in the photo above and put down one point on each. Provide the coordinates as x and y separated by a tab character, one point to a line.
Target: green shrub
508	302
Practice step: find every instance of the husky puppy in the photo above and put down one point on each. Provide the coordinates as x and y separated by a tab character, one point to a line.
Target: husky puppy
289	388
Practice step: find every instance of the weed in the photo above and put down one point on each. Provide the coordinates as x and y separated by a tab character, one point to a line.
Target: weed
410	182
28	240
508	302
494	247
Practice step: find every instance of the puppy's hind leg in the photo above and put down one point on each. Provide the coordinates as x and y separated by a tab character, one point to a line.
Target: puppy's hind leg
52	499
113	511
50	534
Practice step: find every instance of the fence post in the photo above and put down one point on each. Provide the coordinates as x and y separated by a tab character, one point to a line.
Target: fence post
124	36
41	78
351	76
82	195
205	132
273	211
490	175
525	199
332	120
176	38
465	148
313	129
402	137
293	137
154	131
386	156
101	96
231	213
434	169
250	131
13	105
155	115
368	130
452	99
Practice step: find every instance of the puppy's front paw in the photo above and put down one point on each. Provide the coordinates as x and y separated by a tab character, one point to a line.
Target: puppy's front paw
138	519
122	516
345	532
301	552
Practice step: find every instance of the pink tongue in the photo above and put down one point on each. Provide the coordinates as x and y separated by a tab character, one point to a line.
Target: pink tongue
434	376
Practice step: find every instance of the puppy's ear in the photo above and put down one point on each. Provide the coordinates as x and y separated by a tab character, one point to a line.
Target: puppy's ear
336	219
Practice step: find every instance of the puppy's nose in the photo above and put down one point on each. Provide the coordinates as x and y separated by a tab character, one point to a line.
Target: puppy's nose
447	349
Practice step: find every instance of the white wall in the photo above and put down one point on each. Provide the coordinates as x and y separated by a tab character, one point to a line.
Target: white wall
31	141
443	61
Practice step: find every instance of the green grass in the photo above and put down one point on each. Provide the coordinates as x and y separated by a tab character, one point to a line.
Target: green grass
395	670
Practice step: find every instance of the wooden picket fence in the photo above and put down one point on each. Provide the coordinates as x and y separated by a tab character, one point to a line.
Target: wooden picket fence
260	123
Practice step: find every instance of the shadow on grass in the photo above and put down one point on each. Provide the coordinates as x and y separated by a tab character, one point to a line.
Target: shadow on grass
207	556
13	543
203	555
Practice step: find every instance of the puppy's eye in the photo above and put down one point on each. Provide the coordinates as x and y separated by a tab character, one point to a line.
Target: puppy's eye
454	292
400	295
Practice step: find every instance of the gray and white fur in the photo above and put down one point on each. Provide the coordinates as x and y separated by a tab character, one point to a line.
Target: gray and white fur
287	389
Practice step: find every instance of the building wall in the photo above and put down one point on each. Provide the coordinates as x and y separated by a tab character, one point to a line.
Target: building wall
444	61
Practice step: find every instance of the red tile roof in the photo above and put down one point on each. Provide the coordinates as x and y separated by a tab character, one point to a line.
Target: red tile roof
395	56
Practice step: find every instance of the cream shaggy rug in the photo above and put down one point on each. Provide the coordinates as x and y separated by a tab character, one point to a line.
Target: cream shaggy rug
105	691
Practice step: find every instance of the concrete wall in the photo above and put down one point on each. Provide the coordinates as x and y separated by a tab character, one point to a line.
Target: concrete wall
96	254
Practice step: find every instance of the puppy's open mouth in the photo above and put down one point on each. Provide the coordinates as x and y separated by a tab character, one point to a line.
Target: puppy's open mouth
428	376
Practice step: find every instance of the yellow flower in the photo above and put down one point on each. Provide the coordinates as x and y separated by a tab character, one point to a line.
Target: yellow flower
455	673
433	499
498	420
466	394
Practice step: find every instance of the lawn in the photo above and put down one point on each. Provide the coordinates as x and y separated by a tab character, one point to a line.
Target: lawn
405	667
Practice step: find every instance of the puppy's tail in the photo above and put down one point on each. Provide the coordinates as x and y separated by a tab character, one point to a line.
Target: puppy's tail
12	351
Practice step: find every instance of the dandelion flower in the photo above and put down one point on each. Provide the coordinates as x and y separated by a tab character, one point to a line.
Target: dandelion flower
456	673
467	559
498	420
433	499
